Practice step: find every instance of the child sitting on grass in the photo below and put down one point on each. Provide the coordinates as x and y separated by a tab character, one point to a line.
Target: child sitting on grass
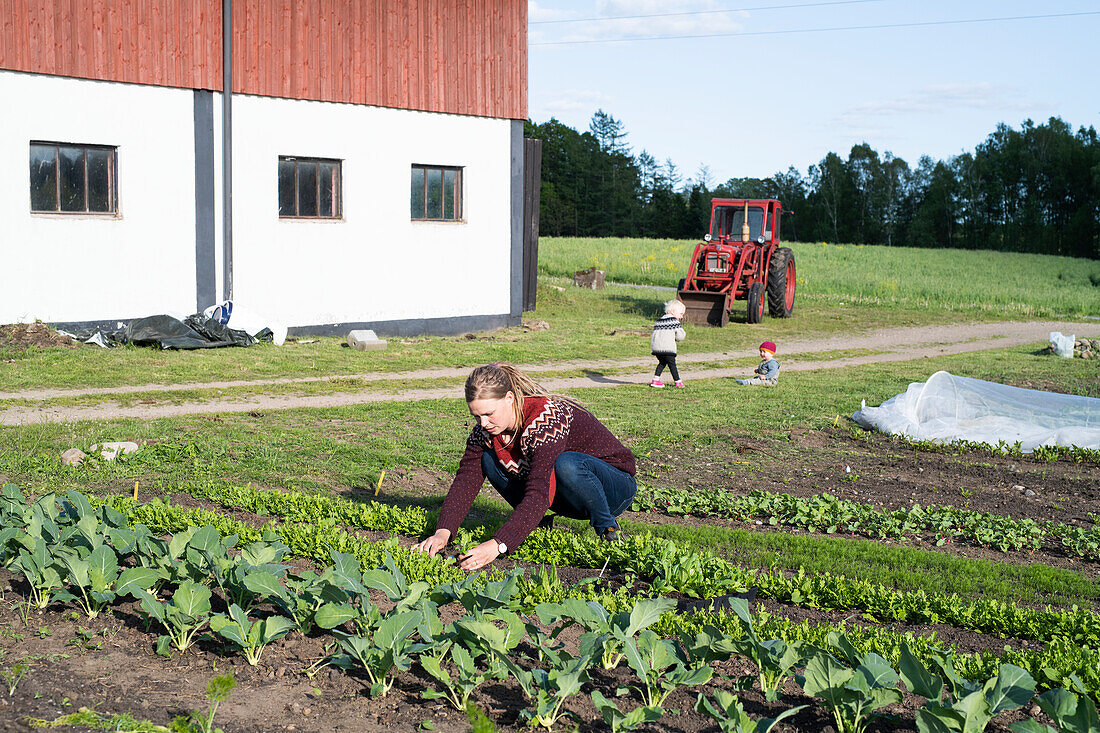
768	371
666	332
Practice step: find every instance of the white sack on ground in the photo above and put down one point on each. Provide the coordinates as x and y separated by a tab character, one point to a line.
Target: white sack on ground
947	408
230	314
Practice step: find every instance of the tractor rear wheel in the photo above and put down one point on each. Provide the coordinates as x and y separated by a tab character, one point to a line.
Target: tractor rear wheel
756	302
781	283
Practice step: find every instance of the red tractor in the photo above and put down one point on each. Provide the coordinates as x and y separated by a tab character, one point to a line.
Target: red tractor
740	260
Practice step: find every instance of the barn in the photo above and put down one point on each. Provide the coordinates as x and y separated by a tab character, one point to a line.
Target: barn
331	164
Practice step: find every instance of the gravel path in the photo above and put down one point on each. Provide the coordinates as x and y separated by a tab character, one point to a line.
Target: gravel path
893	344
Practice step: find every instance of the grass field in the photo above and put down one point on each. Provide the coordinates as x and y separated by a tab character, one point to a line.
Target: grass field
987	284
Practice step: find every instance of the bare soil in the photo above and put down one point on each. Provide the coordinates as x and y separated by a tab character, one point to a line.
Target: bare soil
25	335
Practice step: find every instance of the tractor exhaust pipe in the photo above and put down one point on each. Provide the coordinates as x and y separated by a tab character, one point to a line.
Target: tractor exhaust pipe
745	224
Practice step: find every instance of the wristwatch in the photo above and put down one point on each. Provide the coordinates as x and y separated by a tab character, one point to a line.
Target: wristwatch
501	547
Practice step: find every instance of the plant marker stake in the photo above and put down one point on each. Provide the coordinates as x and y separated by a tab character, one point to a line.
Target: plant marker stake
135	489
605	562
379	486
836	422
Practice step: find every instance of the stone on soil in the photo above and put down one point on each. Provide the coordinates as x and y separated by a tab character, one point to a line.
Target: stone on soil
109	451
73	457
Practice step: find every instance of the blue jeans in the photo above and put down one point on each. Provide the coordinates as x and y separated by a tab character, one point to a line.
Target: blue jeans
587	488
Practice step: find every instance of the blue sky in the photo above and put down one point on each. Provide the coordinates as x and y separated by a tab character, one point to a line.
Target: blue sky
755	103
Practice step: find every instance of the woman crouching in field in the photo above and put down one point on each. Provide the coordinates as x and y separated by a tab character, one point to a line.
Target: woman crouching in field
541	452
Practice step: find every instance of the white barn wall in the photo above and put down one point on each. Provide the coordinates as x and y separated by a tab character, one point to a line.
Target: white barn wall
63	267
375	264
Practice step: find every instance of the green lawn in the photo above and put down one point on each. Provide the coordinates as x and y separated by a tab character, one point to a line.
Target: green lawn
322	449
612	323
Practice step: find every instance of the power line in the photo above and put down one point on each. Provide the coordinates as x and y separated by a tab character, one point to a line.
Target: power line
821	30
702	12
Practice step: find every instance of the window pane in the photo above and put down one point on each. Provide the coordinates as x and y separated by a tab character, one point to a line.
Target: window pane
43	178
72	178
449	179
307	189
324	207
435	194
417	197
286	188
99	180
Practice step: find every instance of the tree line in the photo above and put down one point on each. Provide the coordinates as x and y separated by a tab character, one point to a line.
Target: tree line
1032	189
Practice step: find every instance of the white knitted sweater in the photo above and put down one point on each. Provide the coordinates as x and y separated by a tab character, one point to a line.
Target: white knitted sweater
666	332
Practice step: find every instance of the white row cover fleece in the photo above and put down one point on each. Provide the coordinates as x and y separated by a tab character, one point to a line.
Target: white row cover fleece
948	407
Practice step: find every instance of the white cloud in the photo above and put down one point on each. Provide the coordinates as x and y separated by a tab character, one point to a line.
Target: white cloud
609	23
942	98
539	14
566	102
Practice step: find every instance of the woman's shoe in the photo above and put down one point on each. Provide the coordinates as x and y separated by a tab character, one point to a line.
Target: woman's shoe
679	383
656	383
611	534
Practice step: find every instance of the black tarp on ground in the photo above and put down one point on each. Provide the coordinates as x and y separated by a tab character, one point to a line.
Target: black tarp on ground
195	332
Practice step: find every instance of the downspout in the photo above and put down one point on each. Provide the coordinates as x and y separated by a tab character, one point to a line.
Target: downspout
227	149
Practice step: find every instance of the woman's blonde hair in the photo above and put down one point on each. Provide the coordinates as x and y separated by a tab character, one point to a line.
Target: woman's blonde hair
494	381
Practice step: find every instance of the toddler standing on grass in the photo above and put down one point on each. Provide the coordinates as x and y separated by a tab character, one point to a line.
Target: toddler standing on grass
666	332
768	371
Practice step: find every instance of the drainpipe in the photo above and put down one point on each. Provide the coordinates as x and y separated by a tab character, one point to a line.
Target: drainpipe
227	149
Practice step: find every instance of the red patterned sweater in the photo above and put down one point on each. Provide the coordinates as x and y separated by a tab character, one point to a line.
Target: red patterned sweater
550	428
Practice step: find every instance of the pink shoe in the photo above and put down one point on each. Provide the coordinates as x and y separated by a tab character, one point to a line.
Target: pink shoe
656	383
679	383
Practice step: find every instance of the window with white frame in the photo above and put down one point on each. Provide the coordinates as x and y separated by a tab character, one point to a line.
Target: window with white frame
69	178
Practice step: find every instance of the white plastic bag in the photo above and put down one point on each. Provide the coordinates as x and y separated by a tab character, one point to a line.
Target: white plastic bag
232	315
1062	345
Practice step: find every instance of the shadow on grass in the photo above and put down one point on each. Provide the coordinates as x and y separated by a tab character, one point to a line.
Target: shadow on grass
602	378
639	306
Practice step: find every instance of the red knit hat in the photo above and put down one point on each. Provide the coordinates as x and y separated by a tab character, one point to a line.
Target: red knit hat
768	346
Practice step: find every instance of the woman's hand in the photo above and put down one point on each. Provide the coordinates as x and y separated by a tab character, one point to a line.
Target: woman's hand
480	556
436	542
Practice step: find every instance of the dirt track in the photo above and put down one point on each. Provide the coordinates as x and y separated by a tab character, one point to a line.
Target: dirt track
894	344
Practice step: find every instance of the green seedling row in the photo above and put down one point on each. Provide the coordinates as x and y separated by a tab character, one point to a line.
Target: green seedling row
828	514
671	571
694	574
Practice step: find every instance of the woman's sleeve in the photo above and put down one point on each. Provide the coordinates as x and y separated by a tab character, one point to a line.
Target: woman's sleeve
531	508
464	489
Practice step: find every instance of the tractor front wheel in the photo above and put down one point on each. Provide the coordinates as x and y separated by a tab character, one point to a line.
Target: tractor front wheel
781	283
756	302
